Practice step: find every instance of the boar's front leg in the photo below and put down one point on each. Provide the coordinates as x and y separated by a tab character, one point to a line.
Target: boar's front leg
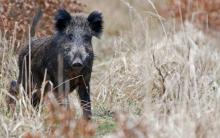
84	95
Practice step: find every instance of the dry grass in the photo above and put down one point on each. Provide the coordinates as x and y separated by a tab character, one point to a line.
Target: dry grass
182	89
143	85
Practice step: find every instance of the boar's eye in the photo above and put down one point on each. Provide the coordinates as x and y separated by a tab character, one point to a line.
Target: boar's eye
67	49
70	36
87	38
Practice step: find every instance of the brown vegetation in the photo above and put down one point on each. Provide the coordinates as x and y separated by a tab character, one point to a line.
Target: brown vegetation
204	13
19	14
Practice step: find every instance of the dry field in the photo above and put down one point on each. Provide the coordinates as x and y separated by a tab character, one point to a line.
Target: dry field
153	77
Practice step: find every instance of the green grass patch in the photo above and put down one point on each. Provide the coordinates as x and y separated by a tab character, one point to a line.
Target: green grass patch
105	124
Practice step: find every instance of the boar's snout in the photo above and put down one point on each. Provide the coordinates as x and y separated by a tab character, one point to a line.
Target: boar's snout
77	65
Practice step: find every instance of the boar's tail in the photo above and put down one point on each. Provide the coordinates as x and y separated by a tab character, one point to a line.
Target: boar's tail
35	21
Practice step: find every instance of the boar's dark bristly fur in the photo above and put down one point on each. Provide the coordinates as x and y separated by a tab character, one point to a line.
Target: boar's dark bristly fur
70	46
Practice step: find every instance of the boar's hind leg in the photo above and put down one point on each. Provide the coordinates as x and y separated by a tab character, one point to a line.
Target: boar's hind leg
36	90
84	95
13	91
37	95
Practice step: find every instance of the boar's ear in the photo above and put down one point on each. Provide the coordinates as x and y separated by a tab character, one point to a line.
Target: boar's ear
95	20
62	19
